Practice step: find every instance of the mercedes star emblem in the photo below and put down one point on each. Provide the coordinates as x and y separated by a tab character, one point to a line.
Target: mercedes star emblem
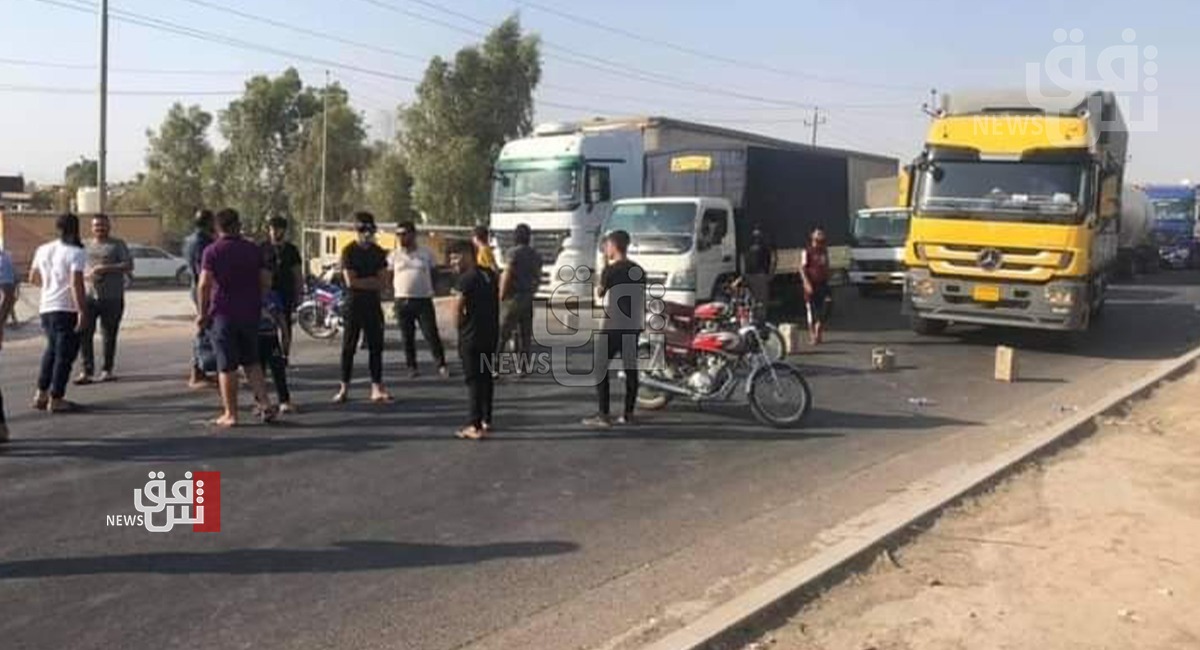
990	259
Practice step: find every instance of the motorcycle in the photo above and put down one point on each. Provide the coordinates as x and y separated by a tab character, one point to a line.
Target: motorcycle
704	363
746	310
320	315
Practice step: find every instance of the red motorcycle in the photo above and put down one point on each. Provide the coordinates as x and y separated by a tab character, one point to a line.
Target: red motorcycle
695	358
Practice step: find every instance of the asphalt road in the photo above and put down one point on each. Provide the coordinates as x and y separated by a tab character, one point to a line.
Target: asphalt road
371	527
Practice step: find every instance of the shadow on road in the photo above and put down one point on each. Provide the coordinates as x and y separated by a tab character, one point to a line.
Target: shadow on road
192	448
346	557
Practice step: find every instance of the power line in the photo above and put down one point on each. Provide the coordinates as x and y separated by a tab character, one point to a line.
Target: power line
63	90
582	59
175	28
304	30
140	71
704	54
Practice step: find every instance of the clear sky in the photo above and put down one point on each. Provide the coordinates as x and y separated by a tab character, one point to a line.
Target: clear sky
752	64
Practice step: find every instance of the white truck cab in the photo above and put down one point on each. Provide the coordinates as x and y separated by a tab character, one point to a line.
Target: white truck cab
686	244
561	182
877	239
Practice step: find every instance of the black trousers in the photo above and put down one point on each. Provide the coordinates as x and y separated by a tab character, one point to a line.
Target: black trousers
615	345
108	313
270	353
411	312
365	319
480	383
62	344
517	319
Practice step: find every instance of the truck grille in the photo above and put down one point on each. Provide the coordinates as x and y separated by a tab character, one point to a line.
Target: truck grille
1016	263
546	242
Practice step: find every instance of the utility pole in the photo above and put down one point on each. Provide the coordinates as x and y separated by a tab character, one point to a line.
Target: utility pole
102	154
817	120
324	144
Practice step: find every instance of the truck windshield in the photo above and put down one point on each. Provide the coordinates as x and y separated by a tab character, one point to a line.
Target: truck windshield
880	229
656	228
1005	191
1174	210
549	188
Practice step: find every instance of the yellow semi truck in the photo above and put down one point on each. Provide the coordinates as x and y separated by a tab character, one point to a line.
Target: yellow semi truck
1016	212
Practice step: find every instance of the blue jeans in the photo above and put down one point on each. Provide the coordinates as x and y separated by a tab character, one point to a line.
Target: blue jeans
62	344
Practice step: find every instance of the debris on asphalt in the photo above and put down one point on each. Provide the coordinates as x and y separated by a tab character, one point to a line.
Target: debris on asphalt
921	401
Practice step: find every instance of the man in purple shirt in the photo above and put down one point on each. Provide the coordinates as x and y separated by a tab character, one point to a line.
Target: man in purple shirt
233	277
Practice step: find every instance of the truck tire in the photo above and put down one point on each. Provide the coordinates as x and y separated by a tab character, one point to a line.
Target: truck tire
927	326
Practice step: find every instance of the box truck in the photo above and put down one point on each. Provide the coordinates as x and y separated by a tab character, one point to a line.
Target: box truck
692	226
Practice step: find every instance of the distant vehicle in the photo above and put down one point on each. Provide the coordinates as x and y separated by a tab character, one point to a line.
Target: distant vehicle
877	248
1173	209
151	264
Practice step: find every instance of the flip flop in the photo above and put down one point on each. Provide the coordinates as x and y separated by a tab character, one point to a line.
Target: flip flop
469	433
385	398
340	398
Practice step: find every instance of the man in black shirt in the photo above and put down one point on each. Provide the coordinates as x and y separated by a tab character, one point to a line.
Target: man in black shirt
522	274
760	265
364	267
287	275
623	291
478	317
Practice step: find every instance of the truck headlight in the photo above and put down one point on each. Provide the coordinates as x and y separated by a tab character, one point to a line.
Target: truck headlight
1060	296
682	280
923	287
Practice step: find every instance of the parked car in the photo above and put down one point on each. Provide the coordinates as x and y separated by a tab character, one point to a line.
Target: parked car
151	264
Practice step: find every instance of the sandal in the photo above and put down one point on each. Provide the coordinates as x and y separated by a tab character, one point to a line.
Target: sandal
469	433
40	404
383	398
65	406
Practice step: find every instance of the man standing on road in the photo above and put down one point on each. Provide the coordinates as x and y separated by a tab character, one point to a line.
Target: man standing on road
8	296
233	278
412	286
364	268
193	250
814	271
58	269
109	262
477	312
760	266
287	279
623	292
522	273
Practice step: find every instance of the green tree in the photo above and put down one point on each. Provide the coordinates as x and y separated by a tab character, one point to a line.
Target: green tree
81	173
133	196
177	159
463	115
264	128
388	185
346	162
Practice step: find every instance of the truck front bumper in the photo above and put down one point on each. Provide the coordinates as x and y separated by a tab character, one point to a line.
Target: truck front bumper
1010	304
881	279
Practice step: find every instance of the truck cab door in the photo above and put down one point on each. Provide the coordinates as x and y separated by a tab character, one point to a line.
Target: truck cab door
715	250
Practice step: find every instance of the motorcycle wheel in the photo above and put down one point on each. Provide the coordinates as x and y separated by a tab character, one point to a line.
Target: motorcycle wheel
779	395
311	318
773	344
647	398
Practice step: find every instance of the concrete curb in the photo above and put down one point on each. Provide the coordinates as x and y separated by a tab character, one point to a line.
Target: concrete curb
902	514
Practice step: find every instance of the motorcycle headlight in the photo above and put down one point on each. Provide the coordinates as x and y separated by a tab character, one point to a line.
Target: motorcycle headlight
1060	296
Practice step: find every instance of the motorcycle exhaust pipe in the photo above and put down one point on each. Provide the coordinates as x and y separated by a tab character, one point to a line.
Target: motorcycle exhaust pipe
663	386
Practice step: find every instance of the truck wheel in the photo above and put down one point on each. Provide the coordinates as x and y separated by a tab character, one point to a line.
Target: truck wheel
927	326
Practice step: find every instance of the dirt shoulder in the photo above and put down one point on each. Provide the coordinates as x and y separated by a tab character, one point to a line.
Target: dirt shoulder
1095	548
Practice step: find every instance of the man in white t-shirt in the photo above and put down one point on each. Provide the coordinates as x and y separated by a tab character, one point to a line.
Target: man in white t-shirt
58	268
412	284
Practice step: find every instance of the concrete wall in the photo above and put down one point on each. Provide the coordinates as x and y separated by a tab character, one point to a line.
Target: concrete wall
22	232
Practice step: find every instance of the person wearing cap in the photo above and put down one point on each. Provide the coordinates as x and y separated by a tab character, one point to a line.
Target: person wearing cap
364	267
413	267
